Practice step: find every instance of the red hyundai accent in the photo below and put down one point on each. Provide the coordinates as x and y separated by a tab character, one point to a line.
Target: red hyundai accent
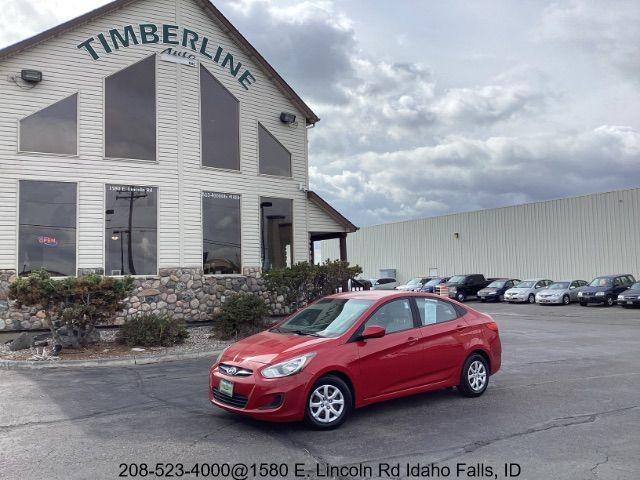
353	349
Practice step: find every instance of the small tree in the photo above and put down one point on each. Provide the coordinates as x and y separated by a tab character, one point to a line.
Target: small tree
77	303
242	314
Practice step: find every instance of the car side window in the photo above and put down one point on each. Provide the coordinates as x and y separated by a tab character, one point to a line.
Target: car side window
574	284
393	316
435	311
617	281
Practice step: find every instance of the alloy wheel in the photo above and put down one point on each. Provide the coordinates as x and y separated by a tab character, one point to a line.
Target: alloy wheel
477	375
326	403
566	300
532	298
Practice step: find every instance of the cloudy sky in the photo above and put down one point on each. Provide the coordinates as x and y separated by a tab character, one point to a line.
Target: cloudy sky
433	107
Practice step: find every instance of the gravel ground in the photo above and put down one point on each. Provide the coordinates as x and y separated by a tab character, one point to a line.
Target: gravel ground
200	340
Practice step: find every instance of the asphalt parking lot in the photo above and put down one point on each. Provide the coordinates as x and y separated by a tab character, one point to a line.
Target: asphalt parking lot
565	405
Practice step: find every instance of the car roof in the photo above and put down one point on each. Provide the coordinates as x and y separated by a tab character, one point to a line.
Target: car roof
614	276
378	294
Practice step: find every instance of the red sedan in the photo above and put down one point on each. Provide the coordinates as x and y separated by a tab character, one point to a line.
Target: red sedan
353	349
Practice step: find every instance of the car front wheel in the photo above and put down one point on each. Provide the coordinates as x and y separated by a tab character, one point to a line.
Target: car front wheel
566	300
532	298
460	297
610	302
474	377
329	403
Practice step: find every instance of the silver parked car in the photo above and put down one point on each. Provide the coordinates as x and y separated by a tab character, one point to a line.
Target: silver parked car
414	284
526	290
383	283
562	292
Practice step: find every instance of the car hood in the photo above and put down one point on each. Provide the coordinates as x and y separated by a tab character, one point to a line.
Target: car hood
407	287
520	290
551	292
488	290
269	347
631	291
595	289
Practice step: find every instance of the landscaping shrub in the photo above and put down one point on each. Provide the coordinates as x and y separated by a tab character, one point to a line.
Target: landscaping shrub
303	283
152	331
241	315
74	305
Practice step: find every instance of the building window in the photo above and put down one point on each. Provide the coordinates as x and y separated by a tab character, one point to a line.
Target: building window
220	124
274	158
131	230
47	231
221	233
130	112
276	222
53	129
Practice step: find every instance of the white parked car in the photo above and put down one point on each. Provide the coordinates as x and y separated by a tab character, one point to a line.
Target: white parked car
563	292
414	284
526	290
383	283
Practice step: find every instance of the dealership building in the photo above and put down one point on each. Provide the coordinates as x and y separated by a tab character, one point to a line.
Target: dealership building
569	238
150	138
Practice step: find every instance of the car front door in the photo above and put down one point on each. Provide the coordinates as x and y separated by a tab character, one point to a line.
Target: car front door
442	336
390	363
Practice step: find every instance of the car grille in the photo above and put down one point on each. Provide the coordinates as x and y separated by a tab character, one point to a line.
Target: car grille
234	371
238	401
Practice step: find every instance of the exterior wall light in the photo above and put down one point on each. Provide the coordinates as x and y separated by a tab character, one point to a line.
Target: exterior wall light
31	76
456	235
287	118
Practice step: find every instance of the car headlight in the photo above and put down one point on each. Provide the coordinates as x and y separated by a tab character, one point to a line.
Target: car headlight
600	294
579	294
290	367
620	297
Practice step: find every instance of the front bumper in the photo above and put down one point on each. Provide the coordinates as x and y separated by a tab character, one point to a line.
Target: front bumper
629	302
593	299
272	399
520	298
489	296
549	300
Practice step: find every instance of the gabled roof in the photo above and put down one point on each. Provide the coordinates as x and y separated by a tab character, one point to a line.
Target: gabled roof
332	212
213	13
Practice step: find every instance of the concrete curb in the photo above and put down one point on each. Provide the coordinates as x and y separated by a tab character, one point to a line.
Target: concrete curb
107	362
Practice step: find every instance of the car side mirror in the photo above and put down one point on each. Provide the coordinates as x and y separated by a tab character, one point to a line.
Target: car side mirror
374	331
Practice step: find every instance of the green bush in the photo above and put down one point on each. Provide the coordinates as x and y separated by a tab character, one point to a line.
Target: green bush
152	331
76	303
241	315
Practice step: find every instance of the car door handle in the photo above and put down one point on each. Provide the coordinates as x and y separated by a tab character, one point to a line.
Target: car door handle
412	340
461	328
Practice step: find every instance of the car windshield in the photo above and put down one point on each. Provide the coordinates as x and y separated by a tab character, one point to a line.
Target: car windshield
325	318
497	284
635	286
414	281
559	286
433	282
526	284
601	282
457	279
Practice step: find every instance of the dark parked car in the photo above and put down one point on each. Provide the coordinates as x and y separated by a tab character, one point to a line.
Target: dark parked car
461	287
495	290
630	297
605	289
430	286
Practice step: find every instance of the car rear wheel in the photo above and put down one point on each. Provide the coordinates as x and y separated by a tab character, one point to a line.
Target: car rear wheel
329	403
566	300
532	298
461	297
474	377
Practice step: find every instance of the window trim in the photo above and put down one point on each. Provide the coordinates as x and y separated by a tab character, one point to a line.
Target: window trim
21	152
293	228
104	230
202	165
104	115
270	175
242	258
18	210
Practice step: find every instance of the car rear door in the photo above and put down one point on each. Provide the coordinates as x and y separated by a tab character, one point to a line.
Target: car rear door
389	364
443	330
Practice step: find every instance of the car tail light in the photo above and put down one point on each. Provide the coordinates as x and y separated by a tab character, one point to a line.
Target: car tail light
492	326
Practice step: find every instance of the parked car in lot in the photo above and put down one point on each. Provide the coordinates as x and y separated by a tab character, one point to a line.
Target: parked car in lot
383	283
563	292
631	296
494	292
353	349
605	289
430	286
462	287
526	290
414	284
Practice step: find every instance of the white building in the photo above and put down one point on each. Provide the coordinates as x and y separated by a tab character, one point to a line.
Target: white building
148	137
570	238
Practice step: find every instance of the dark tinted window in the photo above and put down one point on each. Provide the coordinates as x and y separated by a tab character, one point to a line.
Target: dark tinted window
274	158
47	228
277	232
130	112
221	233
53	129
220	129
131	230
393	316
435	311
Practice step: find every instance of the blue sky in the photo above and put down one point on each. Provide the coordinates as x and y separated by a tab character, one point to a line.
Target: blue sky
434	107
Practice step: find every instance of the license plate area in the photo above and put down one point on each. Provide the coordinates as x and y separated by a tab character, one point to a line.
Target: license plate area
629	302
226	387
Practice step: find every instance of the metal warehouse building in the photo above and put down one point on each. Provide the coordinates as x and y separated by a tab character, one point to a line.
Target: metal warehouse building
577	237
150	138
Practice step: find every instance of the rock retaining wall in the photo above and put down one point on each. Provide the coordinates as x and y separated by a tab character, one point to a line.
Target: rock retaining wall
183	293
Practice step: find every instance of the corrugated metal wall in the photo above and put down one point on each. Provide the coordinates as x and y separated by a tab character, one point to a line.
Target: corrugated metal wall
577	237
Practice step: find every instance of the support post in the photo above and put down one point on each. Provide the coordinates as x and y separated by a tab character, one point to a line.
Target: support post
343	258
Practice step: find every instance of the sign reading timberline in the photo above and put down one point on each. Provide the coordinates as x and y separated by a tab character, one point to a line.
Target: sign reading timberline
149	33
